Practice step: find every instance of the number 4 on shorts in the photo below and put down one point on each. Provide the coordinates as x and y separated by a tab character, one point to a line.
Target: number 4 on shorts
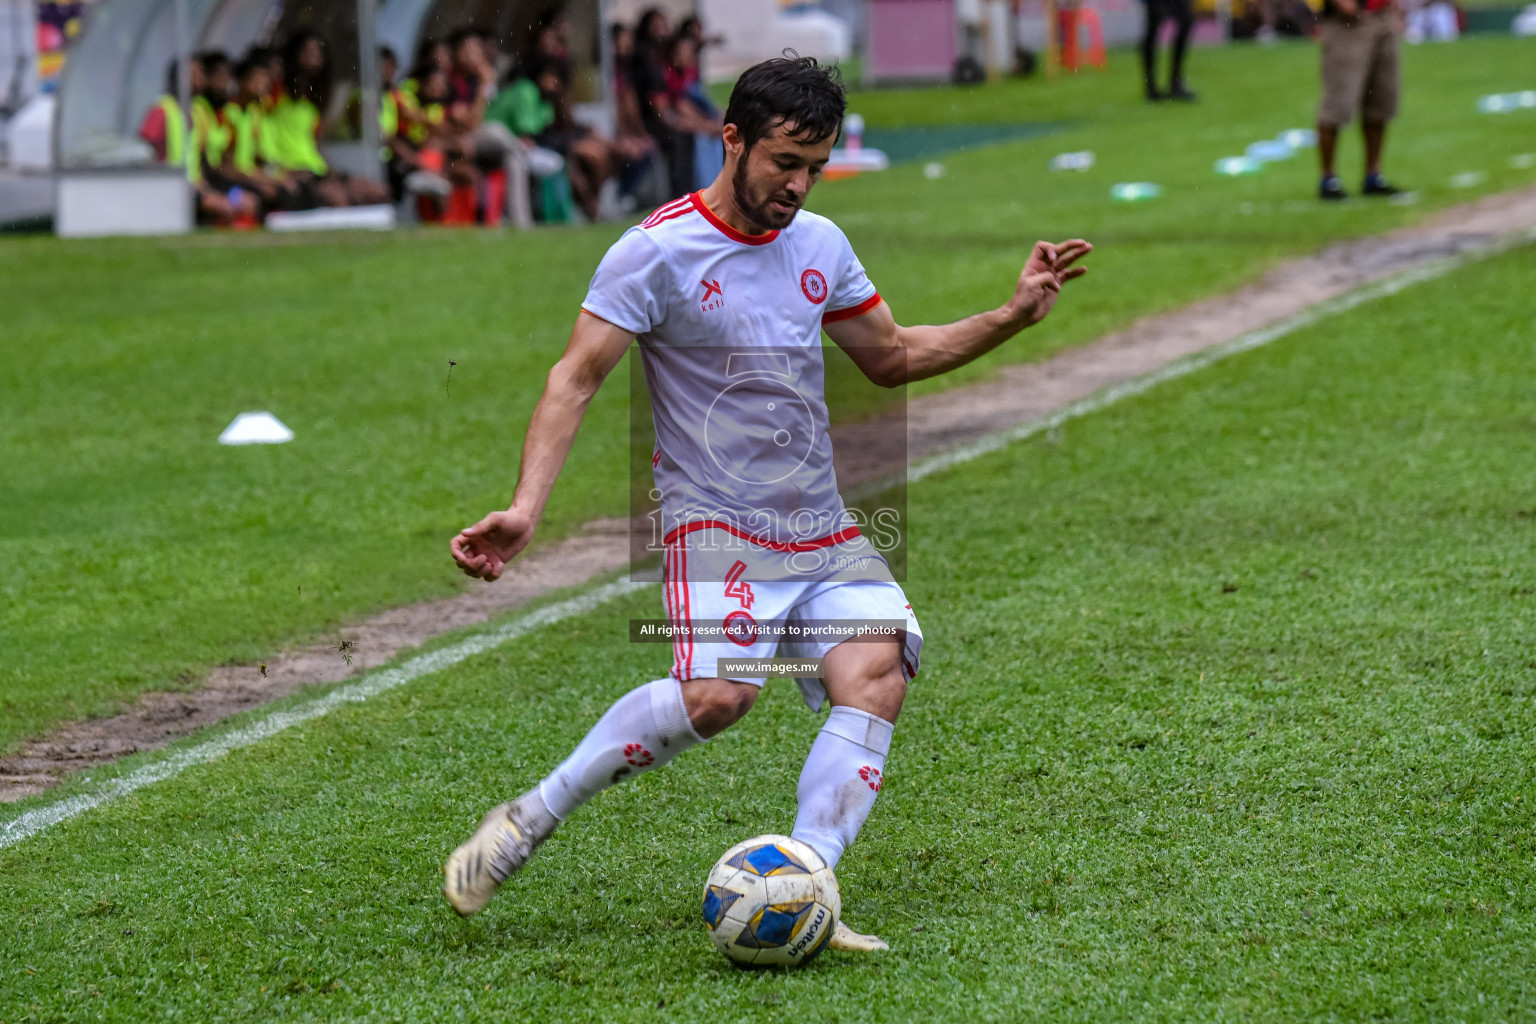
734	587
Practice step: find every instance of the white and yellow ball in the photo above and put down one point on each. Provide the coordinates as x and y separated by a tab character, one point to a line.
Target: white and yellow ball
771	902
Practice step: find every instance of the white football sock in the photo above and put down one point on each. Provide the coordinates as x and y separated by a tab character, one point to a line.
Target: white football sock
644	729
840	780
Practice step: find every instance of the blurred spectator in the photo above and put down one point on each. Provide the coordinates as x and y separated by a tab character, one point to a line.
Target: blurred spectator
400	117
272	58
472	81
1181	13
430	54
473	86
164	127
552	35
442	147
211	135
536	106
648	73
218	83
693	27
243	115
630	135
690	109
1361	43
292	126
174	139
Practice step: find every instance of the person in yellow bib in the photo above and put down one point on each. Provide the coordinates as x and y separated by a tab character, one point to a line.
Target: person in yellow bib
441	147
243	118
292	127
180	141
402	128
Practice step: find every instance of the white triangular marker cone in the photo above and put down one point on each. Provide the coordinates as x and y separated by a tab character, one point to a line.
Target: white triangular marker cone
256	428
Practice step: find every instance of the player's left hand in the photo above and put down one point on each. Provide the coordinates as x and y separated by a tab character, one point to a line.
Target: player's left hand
483	550
1049	267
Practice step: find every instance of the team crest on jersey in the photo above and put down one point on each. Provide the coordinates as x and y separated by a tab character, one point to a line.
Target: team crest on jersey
740	628
714	296
814	286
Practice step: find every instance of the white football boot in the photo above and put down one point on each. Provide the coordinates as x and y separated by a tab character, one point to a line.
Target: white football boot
506	838
850	941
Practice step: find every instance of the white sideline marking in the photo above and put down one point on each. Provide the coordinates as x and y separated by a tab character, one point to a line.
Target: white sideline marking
30	823
26	825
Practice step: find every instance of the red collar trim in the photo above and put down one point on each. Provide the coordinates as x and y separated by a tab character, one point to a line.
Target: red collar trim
724	228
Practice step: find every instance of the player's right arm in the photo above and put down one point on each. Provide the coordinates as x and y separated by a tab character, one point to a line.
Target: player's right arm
595	348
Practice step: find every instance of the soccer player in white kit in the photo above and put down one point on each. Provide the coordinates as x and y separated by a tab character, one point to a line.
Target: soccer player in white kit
728	291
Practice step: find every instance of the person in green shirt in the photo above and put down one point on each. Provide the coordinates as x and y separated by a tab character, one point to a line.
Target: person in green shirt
536	108
523	108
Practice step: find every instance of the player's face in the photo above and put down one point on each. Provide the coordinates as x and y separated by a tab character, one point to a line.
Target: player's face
772	179
257	83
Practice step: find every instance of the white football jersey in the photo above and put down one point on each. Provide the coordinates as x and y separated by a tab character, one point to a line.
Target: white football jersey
729	327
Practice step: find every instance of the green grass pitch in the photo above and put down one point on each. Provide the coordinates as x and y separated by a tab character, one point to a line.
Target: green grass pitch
135	553
1226	714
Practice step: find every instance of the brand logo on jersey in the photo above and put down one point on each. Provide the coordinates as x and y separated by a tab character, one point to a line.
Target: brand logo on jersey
814	286
711	288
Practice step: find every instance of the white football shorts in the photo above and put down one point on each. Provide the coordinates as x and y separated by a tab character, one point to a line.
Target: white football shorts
738	598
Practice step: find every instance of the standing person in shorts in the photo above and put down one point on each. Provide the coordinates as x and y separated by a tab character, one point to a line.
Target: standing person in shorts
1361	43
728	290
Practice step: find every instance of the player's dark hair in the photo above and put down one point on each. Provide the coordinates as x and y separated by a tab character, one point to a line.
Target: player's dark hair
214	61
251	62
303	84
540	65
645	25
791	90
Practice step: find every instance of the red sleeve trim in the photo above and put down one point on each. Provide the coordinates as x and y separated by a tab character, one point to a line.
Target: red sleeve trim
604	319
852	311
695	525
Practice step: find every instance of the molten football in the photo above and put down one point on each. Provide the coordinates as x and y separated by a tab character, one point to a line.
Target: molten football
771	902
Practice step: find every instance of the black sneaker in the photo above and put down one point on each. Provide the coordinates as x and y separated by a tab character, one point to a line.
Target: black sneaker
1331	187
1376	185
1178	91
1155	95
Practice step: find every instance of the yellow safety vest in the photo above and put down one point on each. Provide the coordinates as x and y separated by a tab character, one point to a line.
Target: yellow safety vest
175	130
245	131
211	136
288	136
434	113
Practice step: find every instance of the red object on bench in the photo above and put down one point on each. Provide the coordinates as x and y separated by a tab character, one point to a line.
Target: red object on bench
495	197
1071	20
461	206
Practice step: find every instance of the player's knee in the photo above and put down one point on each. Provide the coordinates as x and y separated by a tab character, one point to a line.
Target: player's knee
716	704
887	694
883	687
